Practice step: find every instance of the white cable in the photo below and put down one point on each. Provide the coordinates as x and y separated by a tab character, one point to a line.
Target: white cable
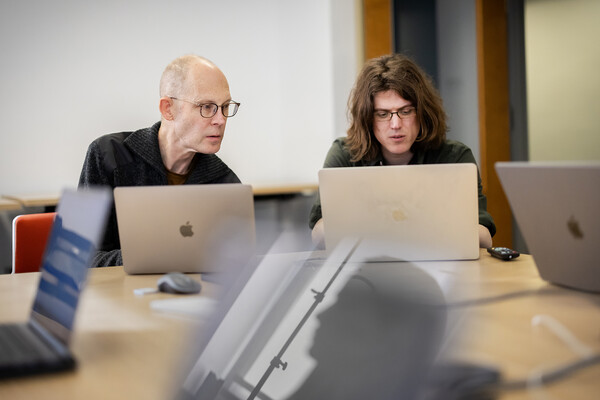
535	385
535	380
576	345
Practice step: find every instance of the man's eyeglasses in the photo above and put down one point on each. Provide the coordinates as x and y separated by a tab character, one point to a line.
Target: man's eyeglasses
403	113
208	110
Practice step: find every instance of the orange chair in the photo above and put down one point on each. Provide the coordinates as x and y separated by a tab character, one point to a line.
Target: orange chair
30	234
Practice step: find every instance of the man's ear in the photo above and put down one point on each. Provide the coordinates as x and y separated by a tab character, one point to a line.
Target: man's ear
165	107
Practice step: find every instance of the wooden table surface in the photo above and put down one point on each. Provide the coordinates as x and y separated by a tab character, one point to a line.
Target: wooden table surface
502	334
7	204
34	199
126	350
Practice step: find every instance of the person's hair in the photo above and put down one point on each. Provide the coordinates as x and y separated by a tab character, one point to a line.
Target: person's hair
173	79
398	73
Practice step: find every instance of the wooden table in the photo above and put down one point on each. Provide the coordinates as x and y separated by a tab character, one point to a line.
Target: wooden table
51	199
126	350
284	189
7	205
501	334
34	199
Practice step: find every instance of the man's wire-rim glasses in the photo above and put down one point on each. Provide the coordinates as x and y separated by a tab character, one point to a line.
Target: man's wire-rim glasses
208	110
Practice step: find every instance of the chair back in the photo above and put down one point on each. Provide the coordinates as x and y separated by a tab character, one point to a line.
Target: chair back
30	234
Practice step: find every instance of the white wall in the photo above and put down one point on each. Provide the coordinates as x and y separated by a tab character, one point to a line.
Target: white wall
563	83
73	70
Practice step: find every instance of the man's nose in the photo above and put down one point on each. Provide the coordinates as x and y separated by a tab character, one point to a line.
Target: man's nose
218	118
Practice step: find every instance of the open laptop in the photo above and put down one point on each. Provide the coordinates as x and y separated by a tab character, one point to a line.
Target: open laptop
556	205
41	344
185	228
410	212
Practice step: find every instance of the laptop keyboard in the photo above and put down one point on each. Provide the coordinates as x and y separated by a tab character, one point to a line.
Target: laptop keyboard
20	346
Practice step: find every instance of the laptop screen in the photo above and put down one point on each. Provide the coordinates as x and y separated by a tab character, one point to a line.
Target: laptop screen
75	234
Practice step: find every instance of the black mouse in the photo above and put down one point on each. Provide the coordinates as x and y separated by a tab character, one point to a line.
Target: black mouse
176	282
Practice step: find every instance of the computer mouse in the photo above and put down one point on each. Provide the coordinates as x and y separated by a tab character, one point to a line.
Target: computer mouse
176	282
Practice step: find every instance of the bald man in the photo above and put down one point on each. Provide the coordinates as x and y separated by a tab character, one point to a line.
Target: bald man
180	149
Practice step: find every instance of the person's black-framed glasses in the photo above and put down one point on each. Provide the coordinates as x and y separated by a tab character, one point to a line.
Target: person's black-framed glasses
403	113
208	110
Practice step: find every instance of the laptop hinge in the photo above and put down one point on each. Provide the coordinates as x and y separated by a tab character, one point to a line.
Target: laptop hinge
56	345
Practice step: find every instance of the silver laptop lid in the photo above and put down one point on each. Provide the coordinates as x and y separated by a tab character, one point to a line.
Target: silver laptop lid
185	228
77	230
410	212
555	205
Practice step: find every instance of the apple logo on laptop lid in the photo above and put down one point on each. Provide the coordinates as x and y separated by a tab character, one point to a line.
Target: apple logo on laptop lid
186	230
574	228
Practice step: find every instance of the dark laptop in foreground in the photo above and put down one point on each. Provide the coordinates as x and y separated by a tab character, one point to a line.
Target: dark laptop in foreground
556	205
41	344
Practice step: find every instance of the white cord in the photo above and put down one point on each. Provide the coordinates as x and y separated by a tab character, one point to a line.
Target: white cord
576	345
535	380
535	385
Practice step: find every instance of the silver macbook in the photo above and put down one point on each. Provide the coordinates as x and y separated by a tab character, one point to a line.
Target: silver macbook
556	205
185	228
410	212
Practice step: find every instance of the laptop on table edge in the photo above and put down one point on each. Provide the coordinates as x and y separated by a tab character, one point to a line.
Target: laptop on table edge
555	205
41	344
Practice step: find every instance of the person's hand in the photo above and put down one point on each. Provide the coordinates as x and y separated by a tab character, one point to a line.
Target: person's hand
485	239
318	234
